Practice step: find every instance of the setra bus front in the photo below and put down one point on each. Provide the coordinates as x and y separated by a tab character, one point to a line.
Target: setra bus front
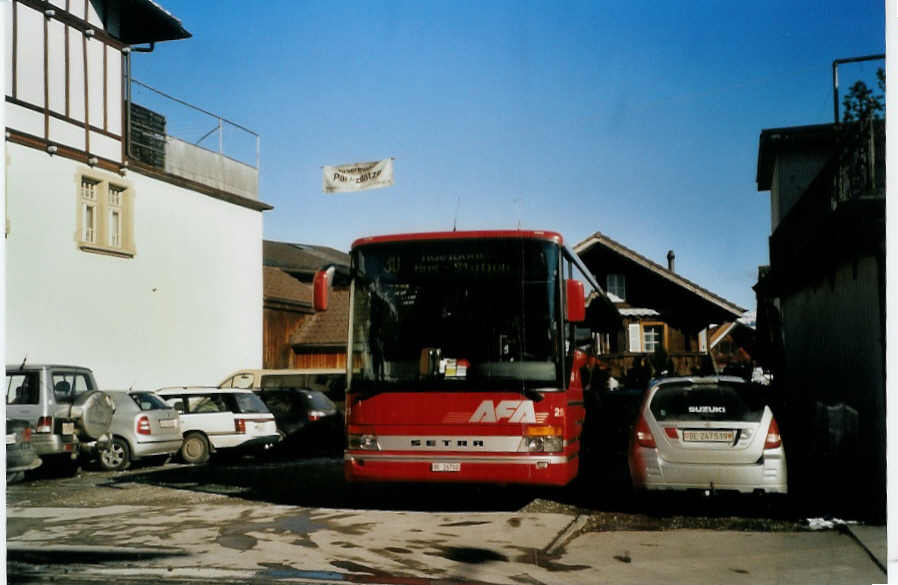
462	359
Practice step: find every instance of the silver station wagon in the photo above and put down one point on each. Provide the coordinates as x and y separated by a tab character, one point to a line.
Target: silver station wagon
713	434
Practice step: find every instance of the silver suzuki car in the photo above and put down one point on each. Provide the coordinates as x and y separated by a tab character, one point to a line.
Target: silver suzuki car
715	433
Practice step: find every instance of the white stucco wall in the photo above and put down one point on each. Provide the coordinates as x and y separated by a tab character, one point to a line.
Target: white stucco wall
186	309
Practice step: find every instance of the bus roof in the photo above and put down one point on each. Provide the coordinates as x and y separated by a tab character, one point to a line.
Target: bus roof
465	235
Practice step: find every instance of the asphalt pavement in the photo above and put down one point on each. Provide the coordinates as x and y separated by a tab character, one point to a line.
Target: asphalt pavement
184	536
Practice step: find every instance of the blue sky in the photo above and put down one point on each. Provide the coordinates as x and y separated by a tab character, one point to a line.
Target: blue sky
636	119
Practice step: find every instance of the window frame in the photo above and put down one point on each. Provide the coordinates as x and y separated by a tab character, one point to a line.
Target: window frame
643	325
110	229
620	284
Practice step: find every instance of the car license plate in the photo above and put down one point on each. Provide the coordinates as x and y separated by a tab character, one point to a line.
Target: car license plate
445	466
709	436
11	439
168	423
68	428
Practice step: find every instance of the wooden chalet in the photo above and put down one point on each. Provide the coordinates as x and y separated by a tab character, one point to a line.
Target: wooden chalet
295	336
666	317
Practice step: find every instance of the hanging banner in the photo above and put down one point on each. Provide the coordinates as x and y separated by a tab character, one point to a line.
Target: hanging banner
358	176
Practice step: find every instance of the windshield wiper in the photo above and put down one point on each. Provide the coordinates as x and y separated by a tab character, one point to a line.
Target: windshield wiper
531	394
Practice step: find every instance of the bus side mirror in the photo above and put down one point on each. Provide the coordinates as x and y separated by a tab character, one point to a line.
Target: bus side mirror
576	301
321	287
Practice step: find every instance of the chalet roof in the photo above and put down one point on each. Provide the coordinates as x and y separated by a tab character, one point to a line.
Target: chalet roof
774	141
146	21
718	332
326	328
281	287
302	260
665	283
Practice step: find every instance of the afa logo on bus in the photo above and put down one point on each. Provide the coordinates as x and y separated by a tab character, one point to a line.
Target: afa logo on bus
516	411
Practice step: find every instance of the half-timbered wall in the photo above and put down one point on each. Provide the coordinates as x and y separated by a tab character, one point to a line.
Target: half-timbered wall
148	281
64	77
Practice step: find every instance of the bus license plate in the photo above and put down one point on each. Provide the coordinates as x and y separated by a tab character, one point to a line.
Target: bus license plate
709	436
445	466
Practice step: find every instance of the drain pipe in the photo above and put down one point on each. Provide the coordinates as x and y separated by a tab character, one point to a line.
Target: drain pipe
149	49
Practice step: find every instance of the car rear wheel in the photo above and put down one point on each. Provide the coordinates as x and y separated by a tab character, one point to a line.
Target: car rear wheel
117	456
195	448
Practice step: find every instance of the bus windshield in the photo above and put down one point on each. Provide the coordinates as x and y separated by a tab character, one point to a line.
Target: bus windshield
456	314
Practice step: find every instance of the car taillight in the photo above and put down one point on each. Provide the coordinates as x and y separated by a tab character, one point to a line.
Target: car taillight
44	424
671	432
644	436
774	439
26	434
143	426
240	425
316	415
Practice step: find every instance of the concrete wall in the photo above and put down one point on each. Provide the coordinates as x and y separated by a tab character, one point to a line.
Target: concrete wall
210	168
792	174
185	309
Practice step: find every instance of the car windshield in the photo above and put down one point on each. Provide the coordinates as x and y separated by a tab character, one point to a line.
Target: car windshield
249	403
457	314
707	402
148	401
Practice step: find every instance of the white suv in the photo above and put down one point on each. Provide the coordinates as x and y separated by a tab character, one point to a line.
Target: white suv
214	419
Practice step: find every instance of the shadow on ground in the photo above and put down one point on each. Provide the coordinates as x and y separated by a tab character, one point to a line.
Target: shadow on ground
319	482
605	494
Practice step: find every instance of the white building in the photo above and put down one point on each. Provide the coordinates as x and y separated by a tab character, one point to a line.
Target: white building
145	265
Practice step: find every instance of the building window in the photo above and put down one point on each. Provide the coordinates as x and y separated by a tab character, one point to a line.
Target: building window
89	209
646	337
89	223
105	223
652	337
617	285
115	216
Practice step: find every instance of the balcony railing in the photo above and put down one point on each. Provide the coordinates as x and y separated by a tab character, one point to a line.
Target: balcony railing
861	162
182	139
839	215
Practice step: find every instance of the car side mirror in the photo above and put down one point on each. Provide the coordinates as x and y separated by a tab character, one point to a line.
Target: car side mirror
576	301
321	287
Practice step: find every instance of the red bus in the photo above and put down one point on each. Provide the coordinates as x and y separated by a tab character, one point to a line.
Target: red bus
463	361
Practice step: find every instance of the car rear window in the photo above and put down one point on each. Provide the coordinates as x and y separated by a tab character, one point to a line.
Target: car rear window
285	381
148	401
67	386
711	402
22	388
318	401
249	403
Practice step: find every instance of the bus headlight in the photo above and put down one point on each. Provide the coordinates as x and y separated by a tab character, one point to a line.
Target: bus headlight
542	439
365	442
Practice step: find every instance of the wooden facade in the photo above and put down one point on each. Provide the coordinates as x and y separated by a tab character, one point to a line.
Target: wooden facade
279	325
295	335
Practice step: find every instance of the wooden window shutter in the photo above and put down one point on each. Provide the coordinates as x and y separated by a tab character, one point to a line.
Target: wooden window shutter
635	337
